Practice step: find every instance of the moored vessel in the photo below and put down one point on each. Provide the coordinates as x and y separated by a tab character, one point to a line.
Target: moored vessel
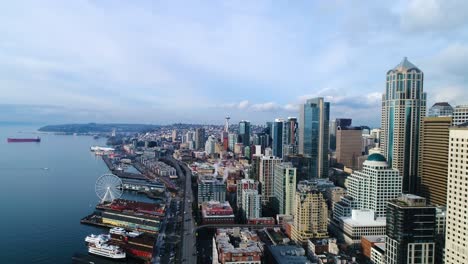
99	245
20	140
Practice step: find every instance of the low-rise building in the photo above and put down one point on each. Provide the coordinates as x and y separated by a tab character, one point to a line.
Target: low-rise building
236	245
291	254
261	221
214	212
367	242
362	223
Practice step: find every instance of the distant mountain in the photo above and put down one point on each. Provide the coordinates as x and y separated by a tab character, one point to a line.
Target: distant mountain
98	128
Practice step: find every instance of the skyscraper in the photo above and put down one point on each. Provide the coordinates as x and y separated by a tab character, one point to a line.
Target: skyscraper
440	109
266	174
348	146
433	162
199	138
456	246
376	184
290	137
310	215
232	141
403	107
314	118
410	231
278	137
284	188
251	204
244	132
210	145
245	184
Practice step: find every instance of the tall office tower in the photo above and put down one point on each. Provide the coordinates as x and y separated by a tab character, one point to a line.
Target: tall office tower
376	184
348	146
174	135
332	135
440	109
284	188
261	139
199	138
254	172
310	215
224	140
189	136
290	146
245	184
433	160
277	136
244	132
268	130
460	115
251	204
403	107
410	231
210	145
266	174
226	124
314	117
456	246
232	139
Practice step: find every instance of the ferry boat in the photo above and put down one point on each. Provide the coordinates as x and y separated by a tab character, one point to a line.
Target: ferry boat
98	245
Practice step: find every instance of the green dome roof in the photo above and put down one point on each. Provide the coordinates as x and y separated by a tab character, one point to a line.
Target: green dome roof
376	157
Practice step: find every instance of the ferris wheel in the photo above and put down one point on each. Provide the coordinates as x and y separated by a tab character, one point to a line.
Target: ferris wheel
108	187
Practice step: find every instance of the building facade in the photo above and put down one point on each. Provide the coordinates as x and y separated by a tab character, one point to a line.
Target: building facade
376	184
403	107
314	116
266	176
278	137
284	188
456	246
199	138
434	159
348	146
251	204
244	132
440	109
460	115
310	215
410	231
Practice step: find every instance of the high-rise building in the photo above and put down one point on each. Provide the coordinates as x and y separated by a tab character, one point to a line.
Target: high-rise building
314	118
348	146
199	138
245	184
174	135
284	188
210	145
251	204
232	139
244	132
440	109
261	139
211	189
403	107
410	231
433	161
456	245
310	215
290	141
376	184
460	115
278	137
266	176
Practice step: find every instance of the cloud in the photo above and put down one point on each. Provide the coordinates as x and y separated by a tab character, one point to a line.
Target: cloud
434	15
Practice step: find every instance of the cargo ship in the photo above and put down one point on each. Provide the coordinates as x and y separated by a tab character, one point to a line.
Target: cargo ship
20	140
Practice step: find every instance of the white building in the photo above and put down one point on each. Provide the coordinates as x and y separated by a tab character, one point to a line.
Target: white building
266	176
362	223
251	204
376	184
456	245
378	253
284	188
460	115
210	145
245	184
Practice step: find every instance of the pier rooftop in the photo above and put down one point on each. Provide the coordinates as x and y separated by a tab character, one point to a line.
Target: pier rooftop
152	209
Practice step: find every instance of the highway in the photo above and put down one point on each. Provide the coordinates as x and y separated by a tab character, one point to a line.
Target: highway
189	254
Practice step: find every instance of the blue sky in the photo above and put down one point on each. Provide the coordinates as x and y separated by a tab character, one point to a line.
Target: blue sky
198	61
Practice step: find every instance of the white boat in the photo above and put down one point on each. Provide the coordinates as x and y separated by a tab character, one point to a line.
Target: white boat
98	245
117	231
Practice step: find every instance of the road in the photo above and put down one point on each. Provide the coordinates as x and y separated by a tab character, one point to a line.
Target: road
188	238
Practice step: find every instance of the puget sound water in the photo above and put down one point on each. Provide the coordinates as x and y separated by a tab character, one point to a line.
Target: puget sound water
45	189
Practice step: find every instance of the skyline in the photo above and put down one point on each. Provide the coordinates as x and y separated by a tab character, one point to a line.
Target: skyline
106	62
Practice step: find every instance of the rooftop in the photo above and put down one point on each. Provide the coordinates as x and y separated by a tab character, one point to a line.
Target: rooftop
376	157
289	254
405	64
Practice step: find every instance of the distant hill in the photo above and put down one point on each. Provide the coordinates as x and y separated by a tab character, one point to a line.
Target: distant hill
97	128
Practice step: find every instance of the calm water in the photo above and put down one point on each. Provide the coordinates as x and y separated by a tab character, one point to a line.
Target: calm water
41	209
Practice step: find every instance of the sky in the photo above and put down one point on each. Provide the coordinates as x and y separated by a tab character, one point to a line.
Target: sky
164	62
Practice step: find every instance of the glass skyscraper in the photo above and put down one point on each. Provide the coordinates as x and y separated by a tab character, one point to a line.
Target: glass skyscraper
314	116
403	107
278	137
244	132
